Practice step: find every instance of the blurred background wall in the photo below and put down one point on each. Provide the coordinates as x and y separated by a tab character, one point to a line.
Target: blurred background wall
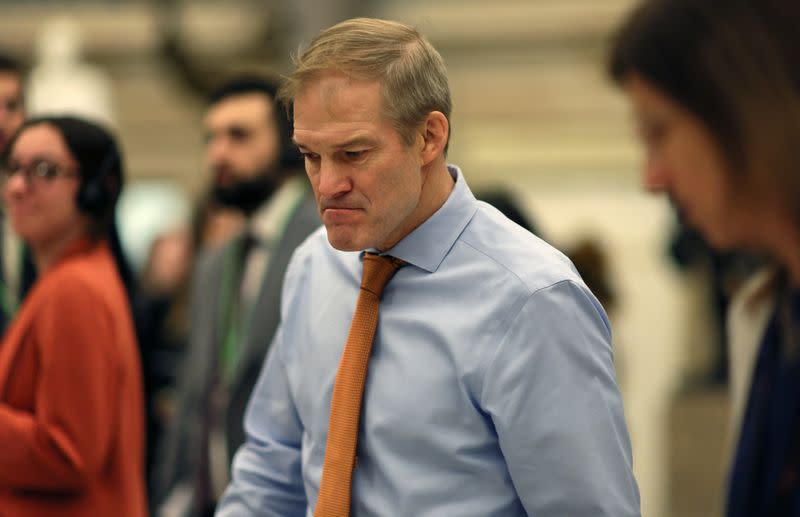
533	113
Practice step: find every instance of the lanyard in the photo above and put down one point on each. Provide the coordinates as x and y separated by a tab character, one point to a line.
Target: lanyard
228	309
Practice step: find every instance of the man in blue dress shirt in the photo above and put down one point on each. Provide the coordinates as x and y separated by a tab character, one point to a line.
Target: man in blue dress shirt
491	388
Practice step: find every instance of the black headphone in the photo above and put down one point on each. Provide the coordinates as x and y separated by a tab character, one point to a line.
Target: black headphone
93	196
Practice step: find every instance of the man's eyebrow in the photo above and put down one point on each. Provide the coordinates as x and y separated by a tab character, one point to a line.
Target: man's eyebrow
356	142
352	142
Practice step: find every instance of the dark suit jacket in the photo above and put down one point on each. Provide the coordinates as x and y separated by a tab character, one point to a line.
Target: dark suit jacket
186	441
71	399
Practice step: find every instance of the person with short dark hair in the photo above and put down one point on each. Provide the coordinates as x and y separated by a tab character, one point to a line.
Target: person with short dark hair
71	404
235	291
715	86
12	114
12	105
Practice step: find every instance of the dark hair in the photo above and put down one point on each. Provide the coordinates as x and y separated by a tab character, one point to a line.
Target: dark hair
732	63
290	159
10	65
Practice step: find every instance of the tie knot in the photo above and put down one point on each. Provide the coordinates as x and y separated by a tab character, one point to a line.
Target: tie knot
249	241
378	270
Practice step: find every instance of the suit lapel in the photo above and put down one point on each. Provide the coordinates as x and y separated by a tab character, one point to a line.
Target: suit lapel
265	314
207	323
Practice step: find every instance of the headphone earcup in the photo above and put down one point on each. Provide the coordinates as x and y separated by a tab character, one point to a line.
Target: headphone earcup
92	197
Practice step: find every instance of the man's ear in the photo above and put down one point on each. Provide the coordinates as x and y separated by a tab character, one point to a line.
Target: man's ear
434	131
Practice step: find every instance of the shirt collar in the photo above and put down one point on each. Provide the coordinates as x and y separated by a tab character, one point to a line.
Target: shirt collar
428	245
269	220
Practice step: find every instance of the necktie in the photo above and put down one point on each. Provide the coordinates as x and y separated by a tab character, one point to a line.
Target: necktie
348	388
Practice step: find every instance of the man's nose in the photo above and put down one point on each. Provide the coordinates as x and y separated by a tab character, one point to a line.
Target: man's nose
216	151
655	177
333	181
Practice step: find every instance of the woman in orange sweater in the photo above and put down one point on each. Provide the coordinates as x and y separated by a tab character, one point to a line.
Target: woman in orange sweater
71	401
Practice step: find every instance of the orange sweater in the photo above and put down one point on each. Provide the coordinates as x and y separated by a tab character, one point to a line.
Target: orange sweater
71	400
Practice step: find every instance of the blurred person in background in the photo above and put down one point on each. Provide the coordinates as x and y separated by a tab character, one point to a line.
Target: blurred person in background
153	218
12	114
172	243
12	105
715	86
166	282
234	307
714	277
71	396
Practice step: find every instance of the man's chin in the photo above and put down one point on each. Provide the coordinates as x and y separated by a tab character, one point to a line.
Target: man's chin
720	240
344	240
245	196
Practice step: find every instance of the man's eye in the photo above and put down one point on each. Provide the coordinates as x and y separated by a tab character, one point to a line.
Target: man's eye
654	132
238	134
309	156
355	155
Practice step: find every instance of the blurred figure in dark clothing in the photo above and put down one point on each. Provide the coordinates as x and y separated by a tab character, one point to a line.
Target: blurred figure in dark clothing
235	289
12	114
715	87
725	272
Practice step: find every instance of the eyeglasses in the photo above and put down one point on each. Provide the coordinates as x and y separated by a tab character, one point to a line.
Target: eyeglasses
36	172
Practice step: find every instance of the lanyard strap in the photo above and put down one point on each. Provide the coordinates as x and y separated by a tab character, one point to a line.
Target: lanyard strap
228	308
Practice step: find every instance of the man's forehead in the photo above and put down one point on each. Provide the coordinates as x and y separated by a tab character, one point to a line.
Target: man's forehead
10	83
240	110
335	95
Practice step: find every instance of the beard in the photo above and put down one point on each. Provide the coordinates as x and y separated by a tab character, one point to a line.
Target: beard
247	195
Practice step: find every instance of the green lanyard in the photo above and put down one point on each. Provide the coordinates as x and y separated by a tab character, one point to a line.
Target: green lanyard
228	323
8	300
7	303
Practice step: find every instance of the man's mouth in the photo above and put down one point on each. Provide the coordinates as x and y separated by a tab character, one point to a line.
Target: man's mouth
223	177
340	215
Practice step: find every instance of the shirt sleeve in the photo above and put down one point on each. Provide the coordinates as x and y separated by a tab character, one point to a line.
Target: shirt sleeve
67	439
552	394
266	477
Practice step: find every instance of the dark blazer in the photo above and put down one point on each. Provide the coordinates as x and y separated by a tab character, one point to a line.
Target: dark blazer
71	399
186	441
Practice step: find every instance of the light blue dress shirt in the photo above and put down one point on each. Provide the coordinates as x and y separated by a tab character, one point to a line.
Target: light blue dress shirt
491	389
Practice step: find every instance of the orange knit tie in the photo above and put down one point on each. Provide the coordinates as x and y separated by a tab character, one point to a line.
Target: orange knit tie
348	389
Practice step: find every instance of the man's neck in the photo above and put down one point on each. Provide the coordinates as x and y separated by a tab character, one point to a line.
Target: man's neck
780	236
788	253
436	188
